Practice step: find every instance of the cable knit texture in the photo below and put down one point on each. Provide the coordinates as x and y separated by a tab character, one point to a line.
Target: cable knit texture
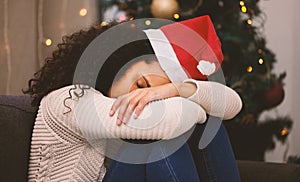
61	149
216	99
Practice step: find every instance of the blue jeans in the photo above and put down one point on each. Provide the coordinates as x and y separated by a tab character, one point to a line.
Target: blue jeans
216	162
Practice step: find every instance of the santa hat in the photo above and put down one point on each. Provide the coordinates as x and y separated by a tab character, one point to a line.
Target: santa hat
187	49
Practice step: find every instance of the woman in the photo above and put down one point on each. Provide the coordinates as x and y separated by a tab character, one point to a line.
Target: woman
59	150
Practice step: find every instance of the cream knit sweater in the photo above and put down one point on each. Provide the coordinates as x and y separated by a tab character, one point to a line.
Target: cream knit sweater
60	148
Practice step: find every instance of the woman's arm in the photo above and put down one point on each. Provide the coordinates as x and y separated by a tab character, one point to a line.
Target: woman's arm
216	99
164	119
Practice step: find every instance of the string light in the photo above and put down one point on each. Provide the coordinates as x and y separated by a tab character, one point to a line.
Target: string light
103	24
242	3
249	69
284	132
176	16
64	7
244	9
7	47
221	3
83	12
131	18
48	42
261	61
249	21
148	22
40	32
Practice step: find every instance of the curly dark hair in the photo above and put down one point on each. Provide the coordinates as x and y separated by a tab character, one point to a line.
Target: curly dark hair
58	70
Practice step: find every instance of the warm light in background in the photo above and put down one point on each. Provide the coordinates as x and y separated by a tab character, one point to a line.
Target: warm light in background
5	46
261	61
249	21
284	132
244	9
104	23
249	69
242	3
176	16
259	51
148	22
48	42
83	12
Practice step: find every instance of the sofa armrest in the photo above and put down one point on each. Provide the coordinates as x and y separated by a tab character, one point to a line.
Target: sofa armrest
16	123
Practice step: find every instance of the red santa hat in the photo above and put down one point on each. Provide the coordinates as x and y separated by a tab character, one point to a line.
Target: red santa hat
187	49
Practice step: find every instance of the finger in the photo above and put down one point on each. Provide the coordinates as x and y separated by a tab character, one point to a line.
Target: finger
134	100
128	113
122	109
115	105
151	96
119	122
139	108
122	104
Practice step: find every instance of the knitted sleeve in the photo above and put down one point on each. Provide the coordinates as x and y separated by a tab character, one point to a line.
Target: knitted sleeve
89	115
216	99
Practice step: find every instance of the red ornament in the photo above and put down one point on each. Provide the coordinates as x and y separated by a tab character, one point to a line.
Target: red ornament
273	96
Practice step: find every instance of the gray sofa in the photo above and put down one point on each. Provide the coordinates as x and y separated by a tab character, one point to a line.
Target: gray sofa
16	123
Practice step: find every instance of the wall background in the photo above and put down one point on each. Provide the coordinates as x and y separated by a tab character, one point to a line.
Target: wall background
24	26
17	44
281	30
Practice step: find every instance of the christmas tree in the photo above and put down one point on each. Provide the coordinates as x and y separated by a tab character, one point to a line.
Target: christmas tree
247	65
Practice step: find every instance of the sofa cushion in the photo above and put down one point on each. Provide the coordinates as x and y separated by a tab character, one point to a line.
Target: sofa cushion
253	171
16	124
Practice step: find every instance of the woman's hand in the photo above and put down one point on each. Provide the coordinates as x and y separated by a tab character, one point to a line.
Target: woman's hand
138	98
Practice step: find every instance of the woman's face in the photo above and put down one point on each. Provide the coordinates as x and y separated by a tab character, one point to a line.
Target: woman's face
139	75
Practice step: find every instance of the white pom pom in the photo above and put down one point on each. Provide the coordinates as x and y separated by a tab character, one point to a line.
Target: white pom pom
206	68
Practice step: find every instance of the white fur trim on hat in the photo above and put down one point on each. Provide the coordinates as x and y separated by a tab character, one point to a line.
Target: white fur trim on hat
206	68
166	55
